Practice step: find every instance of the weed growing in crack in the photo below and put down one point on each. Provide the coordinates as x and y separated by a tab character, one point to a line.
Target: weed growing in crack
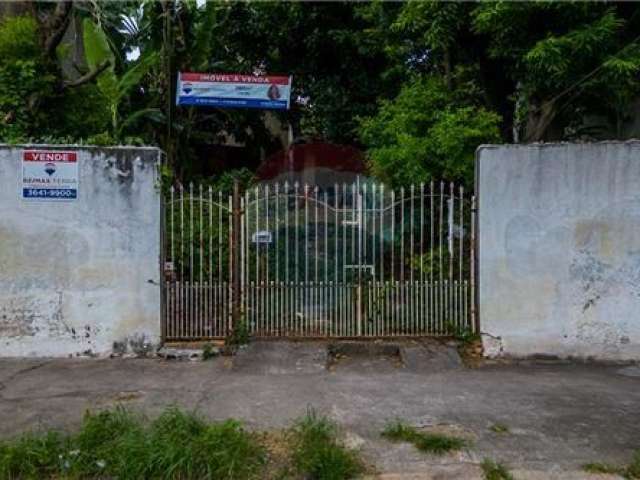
318	454
494	471
436	443
630	472
499	428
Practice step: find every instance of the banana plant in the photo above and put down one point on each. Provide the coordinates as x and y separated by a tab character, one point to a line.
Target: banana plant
116	88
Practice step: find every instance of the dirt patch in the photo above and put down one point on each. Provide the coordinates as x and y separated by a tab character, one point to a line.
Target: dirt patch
472	353
278	452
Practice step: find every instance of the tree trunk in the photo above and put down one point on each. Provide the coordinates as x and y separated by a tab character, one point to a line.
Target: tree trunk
538	120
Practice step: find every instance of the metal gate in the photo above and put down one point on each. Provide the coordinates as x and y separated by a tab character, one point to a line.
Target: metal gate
357	260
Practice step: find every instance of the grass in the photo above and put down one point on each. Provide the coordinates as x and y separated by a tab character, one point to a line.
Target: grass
318	454
178	445
499	428
31	456
119	444
598	467
435	443
495	471
631	471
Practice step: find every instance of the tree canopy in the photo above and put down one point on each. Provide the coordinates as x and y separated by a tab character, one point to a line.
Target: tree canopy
416	85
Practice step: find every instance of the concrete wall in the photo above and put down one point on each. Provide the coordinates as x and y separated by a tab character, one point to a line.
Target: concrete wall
559	249
81	277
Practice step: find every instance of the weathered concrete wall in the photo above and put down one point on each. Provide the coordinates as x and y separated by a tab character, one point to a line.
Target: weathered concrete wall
81	277
559	249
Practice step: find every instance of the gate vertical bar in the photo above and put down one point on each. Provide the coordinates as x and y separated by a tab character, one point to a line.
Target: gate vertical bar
235	258
360	302
474	315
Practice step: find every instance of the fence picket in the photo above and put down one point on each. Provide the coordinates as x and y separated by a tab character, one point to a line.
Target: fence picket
349	260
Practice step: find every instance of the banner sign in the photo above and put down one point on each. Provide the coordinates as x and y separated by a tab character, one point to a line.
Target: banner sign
233	91
50	175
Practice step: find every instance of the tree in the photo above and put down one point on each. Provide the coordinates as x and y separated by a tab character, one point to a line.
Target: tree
568	60
37	102
427	133
115	88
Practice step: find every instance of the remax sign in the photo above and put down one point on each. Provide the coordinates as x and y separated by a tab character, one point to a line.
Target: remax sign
49	175
234	90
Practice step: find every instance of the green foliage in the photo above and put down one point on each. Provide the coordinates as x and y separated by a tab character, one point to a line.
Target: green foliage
119	444
194	226
633	469
116	88
420	84
499	428
239	335
33	106
436	443
426	133
31	456
495	471
582	60
18	39
22	78
317	452
208	351
630	471
224	183
599	467
184	446
81	113
462	334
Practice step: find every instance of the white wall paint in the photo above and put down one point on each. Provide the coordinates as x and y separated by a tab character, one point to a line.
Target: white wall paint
82	276
559	249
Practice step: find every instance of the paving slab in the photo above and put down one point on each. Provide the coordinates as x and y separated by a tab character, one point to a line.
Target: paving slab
280	358
558	417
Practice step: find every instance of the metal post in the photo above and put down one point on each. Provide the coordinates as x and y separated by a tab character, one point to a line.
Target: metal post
235	257
474	299
359	302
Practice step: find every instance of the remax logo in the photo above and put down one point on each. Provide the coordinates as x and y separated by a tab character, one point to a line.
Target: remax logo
50	168
186	88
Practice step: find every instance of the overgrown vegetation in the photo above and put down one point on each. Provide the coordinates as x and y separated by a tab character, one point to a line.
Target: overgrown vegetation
119	444
418	85
495	471
318	453
630	471
436	443
427	133
177	446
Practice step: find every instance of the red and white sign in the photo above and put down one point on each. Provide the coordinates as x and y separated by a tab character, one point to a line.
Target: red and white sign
231	90
233	78
49	175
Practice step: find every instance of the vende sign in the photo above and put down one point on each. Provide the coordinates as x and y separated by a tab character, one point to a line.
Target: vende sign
234	90
39	156
49	175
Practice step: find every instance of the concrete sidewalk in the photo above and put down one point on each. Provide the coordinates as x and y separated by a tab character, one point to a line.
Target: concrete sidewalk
559	416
